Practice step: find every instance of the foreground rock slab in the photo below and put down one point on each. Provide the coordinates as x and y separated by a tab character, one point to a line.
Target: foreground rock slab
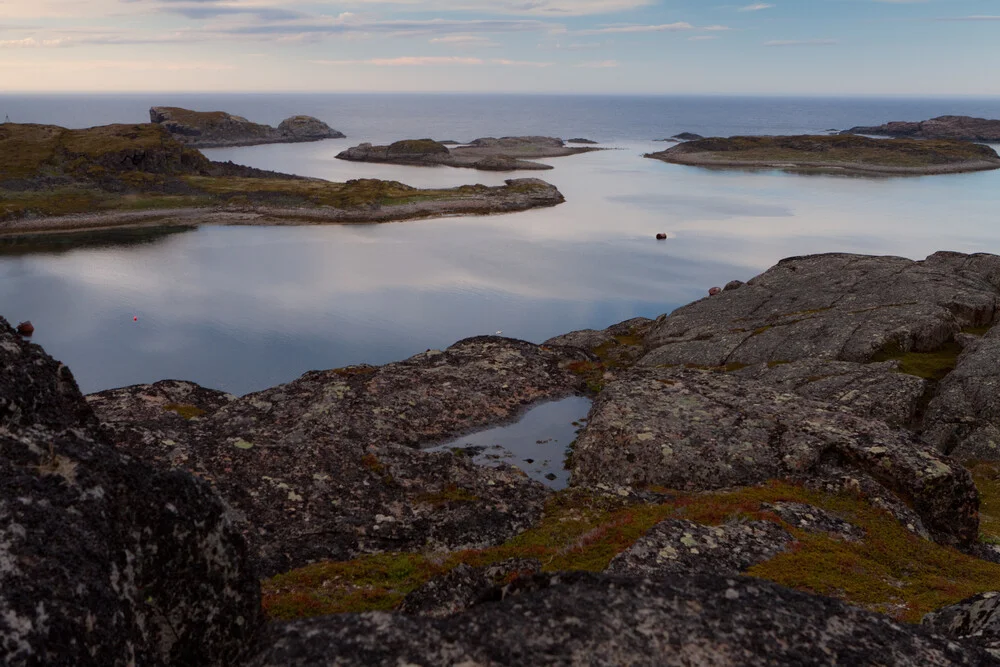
579	618
104	560
329	466
702	430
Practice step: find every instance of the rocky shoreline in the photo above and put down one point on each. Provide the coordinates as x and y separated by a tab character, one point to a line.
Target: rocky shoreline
836	154
829	426
516	195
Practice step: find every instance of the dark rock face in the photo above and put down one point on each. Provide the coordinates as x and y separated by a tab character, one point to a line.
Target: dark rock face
103	560
678	546
210	129
963	418
463	587
579	618
815	520
964	128
976	620
837	306
699	430
326	467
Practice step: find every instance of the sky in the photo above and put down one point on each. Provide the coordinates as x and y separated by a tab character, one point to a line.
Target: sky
784	47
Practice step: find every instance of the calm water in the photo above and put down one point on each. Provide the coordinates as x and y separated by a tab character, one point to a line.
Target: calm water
537	443
241	309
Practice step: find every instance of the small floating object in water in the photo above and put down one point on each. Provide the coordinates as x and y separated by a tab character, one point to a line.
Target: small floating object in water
26	328
135	318
661	237
714	291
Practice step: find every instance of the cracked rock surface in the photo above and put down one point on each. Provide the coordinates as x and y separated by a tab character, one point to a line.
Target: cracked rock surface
329	466
700	430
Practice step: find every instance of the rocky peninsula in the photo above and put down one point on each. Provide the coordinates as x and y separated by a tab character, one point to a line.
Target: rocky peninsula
217	129
801	469
54	179
486	154
961	128
842	154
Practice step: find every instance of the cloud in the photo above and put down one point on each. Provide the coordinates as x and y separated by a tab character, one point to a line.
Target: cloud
632	28
756	7
405	61
599	64
551	8
802	42
465	41
31	43
519	63
702	38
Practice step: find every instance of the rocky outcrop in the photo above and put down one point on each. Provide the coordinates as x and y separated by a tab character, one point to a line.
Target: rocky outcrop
581	140
327	467
963	128
837	307
976	620
488	154
701	430
838	154
582	618
680	547
104	560
213	129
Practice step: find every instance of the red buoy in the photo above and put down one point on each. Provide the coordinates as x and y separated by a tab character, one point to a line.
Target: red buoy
135	318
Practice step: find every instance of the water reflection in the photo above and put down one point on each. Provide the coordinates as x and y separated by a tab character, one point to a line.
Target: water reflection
245	308
58	243
538	443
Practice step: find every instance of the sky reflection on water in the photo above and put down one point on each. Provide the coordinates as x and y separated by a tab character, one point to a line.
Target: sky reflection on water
242	309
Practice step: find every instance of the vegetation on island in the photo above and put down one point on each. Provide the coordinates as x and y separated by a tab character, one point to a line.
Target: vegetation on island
848	152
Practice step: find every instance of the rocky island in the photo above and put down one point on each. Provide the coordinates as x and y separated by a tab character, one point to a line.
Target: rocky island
54	179
802	469
962	128
486	154
217	129
845	154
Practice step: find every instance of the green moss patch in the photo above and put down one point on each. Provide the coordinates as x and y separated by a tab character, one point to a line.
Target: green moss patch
891	571
928	365
186	411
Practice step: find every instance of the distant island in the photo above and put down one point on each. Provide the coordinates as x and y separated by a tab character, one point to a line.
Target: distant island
485	154
216	129
56	179
962	128
849	154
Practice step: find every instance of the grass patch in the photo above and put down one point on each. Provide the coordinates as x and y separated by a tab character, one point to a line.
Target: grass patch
184	410
892	571
977	331
928	365
987	477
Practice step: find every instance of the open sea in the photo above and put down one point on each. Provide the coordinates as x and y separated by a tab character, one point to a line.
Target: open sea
241	309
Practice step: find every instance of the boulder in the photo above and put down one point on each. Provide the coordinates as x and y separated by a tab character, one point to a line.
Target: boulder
25	328
815	520
329	466
836	306
976	620
105	560
583	618
701	430
679	546
307	128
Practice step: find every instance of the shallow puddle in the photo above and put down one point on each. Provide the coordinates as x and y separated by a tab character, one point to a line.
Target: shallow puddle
537	443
